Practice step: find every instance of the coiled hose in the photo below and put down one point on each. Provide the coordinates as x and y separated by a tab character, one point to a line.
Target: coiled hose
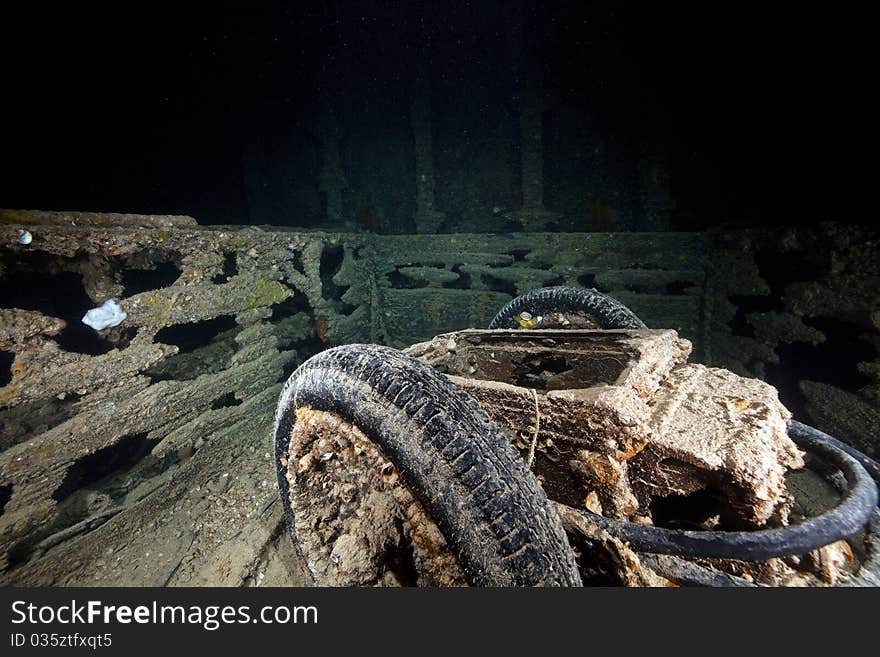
849	517
688	573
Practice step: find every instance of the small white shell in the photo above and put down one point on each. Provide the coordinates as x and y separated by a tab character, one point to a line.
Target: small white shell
25	238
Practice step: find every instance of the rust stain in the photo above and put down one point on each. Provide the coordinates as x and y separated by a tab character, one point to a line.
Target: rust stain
321	327
639	445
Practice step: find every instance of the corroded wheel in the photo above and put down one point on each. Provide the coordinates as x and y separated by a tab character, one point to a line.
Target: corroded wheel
356	520
391	474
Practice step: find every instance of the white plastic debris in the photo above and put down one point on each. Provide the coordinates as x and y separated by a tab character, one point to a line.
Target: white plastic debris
25	238
104	316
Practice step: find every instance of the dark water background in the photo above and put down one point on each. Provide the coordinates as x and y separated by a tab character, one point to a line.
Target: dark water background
213	109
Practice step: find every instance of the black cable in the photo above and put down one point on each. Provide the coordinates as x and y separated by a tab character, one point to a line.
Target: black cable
849	517
686	573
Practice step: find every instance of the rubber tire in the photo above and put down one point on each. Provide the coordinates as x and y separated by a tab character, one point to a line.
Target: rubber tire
489	506
607	311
